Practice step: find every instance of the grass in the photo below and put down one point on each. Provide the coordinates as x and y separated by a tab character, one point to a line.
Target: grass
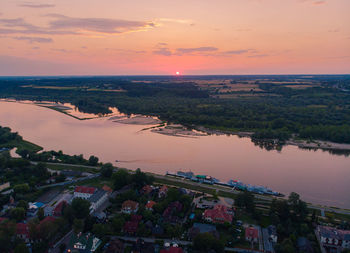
185	185
22	145
68	167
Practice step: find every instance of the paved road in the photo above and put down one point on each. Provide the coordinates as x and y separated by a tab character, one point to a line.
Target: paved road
71	181
257	196
70	165
222	188
179	242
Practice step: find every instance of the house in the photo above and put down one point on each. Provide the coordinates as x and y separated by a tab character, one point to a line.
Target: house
58	210
33	208
130	207
219	214
149	205
83	243
107	189
272	233
115	246
200	228
251	234
304	245
130	227
158	230
170	213
333	238
97	199
162	192
22	231
84	192
172	250
147	189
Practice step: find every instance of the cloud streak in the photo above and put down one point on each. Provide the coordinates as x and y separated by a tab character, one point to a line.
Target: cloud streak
64	25
34	39
36	6
100	25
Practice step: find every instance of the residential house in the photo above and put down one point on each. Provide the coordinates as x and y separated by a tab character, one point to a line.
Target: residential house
170	213
219	214
200	228
333	238
22	231
130	227
272	233
172	250
251	234
115	246
304	245
130	207
147	189
83	243
97	199
58	210
107	189
162	192
149	205
84	192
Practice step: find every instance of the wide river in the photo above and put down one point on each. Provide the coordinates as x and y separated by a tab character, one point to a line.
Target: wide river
317	176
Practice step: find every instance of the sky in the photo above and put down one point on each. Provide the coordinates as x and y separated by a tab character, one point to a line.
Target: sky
162	37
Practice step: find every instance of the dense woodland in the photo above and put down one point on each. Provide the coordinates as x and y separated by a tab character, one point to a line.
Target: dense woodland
276	111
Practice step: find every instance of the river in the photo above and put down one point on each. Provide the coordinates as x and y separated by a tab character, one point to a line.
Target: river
319	177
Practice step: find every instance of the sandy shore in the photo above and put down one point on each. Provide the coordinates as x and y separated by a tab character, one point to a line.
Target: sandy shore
177	131
136	120
319	144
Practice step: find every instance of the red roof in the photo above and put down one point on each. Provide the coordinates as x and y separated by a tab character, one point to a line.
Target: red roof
59	208
172	250
163	189
131	226
129	204
47	219
251	232
22	229
150	204
219	214
107	188
85	189
147	189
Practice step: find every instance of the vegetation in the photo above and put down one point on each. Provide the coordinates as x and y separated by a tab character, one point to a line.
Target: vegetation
318	110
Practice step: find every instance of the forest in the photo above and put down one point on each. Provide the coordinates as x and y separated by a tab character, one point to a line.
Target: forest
276	107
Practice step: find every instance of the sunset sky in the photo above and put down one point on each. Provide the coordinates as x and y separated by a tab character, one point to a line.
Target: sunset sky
136	37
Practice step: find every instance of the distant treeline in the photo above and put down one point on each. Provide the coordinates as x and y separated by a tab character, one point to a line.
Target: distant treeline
321	112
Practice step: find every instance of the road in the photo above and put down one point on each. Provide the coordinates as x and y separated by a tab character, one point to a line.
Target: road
179	242
70	182
257	196
217	187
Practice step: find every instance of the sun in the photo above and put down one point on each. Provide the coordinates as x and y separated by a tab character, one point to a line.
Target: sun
177	73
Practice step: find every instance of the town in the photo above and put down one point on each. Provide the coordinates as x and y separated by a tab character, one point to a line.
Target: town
49	205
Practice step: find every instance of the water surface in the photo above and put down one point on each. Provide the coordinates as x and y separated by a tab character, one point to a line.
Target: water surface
317	176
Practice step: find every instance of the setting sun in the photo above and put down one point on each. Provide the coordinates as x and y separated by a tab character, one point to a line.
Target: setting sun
177	73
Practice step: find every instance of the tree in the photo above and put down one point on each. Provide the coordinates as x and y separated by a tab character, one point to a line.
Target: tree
121	178
81	208
22	203
21	248
205	242
18	213
62	247
107	170
60	178
41	214
245	200
78	225
93	160
21	188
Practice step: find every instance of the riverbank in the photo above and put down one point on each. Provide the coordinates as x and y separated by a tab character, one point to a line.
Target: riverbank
307	144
